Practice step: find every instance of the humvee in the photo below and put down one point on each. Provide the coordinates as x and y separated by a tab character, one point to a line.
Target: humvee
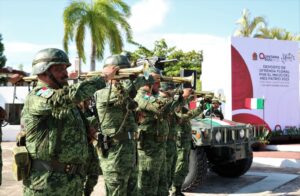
223	146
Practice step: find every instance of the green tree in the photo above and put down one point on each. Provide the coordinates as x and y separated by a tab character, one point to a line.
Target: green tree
21	67
2	56
276	33
247	26
186	60
105	19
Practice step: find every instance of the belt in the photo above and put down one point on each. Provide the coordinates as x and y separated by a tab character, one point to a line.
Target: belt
156	138
125	136
66	168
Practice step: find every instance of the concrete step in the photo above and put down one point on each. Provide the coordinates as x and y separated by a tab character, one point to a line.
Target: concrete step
280	156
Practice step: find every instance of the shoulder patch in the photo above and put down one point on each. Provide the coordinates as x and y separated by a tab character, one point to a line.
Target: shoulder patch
45	92
149	97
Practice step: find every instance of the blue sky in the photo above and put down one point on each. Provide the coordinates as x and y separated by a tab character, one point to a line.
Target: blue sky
30	25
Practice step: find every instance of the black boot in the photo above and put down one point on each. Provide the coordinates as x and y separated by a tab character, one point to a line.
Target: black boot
176	191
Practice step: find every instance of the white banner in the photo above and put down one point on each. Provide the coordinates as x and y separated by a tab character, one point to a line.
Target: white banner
269	70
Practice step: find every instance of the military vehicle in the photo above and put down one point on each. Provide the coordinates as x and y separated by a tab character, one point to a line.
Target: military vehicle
222	146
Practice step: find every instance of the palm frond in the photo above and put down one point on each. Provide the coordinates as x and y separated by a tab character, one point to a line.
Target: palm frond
80	34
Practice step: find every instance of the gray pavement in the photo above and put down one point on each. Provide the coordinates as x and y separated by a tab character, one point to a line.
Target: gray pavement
262	179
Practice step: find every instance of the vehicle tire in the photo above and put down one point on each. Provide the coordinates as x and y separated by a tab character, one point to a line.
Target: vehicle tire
233	169
197	169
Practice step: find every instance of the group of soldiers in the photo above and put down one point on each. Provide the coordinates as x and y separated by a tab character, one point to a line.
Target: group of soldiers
138	137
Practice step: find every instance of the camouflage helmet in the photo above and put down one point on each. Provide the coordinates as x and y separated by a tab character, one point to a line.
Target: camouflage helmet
118	60
46	58
166	86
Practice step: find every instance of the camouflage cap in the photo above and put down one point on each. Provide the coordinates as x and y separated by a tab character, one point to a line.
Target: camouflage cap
118	60
45	58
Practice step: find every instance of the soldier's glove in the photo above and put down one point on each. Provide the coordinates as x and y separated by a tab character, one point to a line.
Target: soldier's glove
132	105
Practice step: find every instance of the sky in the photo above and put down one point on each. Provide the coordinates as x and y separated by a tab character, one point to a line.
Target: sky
28	26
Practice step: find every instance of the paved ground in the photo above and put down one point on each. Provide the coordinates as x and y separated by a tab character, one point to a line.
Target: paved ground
260	180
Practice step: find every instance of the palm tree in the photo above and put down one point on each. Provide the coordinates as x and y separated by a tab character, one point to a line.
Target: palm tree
2	56
104	18
247	26
276	33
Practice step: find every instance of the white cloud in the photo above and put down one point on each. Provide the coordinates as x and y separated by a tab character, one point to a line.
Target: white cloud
23	47
23	53
148	14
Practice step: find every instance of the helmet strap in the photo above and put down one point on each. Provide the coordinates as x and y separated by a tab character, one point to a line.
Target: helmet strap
51	76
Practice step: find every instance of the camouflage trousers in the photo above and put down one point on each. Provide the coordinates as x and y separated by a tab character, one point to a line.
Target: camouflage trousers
182	162
152	173
119	169
171	158
41	183
93	171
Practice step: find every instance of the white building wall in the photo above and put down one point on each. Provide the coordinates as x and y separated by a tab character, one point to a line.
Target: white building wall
216	73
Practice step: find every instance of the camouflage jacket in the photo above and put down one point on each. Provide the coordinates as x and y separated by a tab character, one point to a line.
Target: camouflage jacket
114	109
153	112
173	124
184	115
49	114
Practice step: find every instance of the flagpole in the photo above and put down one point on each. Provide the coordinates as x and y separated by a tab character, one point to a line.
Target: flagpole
264	108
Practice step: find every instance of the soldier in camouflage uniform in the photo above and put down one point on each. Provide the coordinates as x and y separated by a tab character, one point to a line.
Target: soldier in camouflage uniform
56	133
116	109
93	169
214	109
3	79
153	133
184	139
167	90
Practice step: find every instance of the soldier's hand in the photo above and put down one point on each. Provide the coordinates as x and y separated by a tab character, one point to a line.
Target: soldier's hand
73	75
109	72
15	78
187	92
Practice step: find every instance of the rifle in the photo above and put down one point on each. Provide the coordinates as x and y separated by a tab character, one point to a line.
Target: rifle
155	61
207	94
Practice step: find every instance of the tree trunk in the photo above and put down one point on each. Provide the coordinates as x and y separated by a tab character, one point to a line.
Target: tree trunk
93	58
